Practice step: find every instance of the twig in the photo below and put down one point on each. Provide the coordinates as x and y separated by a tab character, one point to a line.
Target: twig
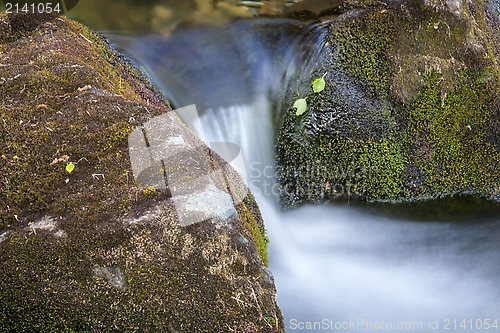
88	40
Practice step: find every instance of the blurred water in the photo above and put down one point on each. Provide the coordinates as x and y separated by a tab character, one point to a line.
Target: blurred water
347	264
337	263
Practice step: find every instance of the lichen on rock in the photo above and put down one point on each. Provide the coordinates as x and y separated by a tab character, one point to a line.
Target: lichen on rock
88	249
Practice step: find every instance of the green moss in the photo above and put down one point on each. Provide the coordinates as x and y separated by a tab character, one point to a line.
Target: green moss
99	50
338	167
256	230
452	130
28	285
364	47
386	161
151	191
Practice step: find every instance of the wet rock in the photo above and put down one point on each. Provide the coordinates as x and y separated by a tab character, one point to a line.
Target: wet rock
410	109
96	247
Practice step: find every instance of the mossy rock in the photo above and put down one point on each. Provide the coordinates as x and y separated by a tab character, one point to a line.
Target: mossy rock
410	111
90	250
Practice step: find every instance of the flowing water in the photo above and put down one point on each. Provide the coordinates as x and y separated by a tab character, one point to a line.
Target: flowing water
344	267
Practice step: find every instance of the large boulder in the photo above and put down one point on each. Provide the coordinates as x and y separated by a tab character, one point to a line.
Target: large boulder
83	246
411	107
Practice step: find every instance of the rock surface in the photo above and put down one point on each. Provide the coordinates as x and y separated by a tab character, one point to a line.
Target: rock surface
89	249
411	107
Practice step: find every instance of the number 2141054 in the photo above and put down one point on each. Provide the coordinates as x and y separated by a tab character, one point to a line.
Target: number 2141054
470	324
41	7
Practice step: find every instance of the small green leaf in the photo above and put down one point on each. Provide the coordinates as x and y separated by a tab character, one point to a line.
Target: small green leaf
300	105
319	85
70	167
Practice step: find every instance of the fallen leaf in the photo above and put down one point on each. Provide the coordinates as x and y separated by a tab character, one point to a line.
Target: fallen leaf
70	167
300	105
318	85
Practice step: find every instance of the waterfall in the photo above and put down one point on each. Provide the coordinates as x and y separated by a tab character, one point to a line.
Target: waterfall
236	76
333	264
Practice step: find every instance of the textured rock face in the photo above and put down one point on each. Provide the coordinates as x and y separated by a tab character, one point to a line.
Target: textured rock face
91	250
410	109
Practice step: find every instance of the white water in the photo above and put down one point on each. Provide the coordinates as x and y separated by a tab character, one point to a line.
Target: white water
356	266
344	263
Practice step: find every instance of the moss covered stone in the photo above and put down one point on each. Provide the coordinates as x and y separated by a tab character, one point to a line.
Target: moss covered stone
90	250
410	109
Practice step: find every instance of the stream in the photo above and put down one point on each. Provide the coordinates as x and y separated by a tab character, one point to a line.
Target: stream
338	267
